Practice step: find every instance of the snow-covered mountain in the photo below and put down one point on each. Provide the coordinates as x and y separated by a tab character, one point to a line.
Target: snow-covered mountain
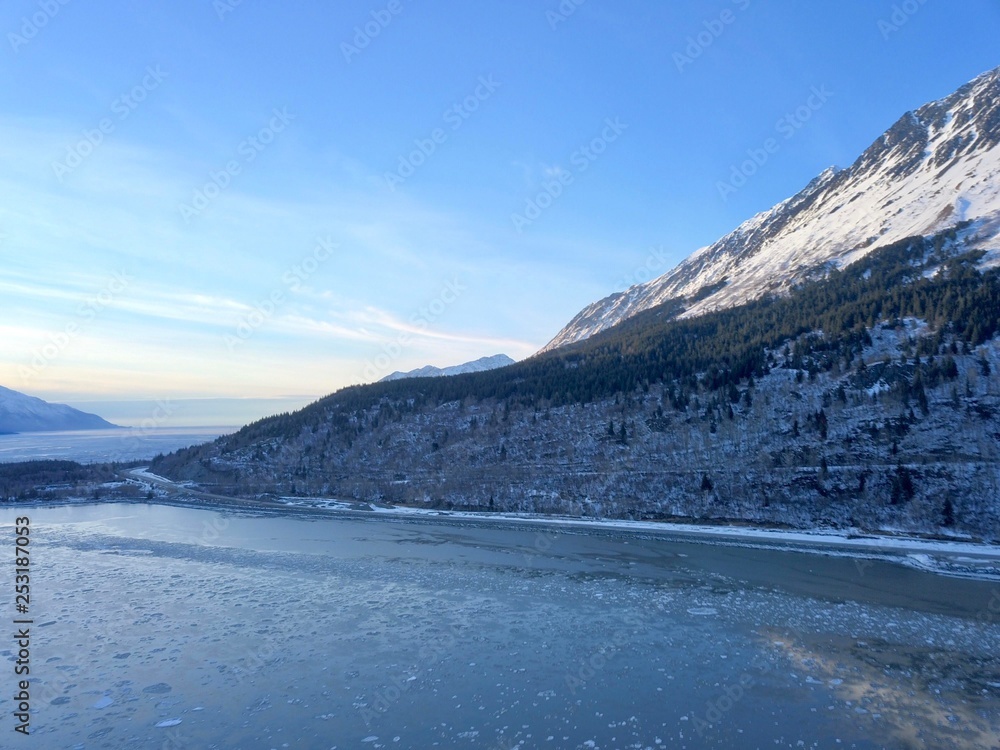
479	365
936	167
21	413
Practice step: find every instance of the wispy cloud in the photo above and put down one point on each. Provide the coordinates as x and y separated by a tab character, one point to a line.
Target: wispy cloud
192	283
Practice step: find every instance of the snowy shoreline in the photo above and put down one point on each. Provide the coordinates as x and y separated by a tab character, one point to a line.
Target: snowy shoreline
954	558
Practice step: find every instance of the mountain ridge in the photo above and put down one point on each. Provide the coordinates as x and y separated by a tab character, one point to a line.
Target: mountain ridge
430	371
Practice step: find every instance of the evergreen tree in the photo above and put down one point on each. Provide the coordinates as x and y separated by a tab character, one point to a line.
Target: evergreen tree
948	513
821	424
921	393
903	487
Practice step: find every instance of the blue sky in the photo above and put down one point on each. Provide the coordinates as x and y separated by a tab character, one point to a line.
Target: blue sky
260	199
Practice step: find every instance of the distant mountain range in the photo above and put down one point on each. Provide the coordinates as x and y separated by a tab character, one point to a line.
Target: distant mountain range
21	413
935	167
480	365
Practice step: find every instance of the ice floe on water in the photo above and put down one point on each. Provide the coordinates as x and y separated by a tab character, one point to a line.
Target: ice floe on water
702	611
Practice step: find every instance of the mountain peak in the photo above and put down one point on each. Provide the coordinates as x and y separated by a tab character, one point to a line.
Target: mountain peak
935	167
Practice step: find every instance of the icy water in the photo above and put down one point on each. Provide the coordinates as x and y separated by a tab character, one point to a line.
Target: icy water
90	446
172	627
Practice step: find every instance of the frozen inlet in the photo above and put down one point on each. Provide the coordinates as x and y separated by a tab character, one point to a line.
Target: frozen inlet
307	630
